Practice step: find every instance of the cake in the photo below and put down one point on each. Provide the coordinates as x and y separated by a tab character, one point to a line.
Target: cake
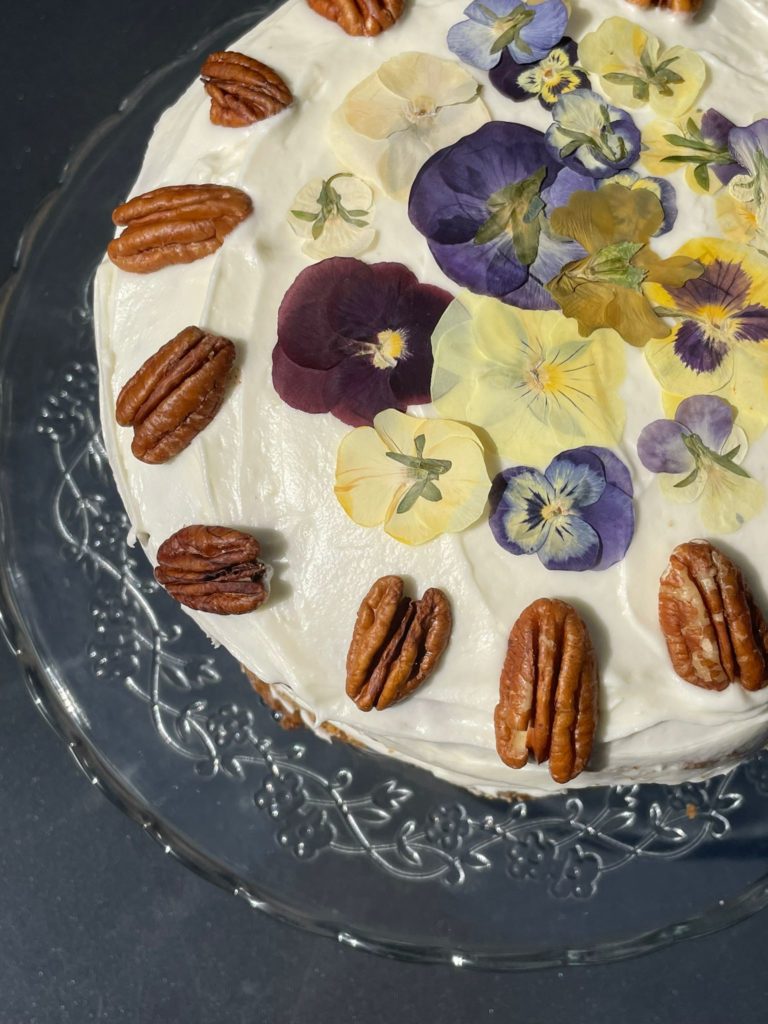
471	310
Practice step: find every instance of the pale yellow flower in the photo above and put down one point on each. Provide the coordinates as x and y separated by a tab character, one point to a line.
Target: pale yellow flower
635	69
391	123
529	378
418	478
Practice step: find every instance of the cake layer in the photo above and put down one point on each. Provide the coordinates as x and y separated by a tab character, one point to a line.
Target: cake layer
269	469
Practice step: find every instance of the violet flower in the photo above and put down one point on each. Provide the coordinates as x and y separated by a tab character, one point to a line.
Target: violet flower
354	339
528	31
575	516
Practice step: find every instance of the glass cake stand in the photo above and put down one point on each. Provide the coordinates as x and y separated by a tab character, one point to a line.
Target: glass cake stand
381	856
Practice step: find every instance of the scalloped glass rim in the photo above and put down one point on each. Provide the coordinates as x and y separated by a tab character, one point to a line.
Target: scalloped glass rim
45	692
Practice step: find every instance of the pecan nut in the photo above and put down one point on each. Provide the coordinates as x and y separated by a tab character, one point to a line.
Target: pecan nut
396	643
360	17
213	569
175	394
175	224
242	90
548	692
715	633
675	6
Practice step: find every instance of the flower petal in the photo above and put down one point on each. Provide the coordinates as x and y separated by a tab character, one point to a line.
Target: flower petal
367	482
613	520
517	499
571	545
661	449
577	478
472	42
709	417
728	501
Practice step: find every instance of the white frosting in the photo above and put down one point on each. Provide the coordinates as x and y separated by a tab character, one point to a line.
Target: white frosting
269	469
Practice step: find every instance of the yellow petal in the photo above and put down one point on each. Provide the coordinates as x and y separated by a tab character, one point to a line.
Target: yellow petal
422	79
616	47
371	109
729	501
368	484
692	70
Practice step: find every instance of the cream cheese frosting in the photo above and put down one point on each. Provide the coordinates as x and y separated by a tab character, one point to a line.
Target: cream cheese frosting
269	469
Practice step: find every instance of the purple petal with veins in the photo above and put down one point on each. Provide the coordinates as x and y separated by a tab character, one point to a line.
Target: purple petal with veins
709	417
613	520
661	448
696	351
752	323
722	283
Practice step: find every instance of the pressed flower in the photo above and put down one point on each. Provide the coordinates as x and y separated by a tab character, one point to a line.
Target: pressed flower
699	455
354	339
749	147
527	31
719	342
663	190
592	137
608	287
392	121
549	78
576	515
416	477
699	143
333	215
738	221
528	378
481	206
635	68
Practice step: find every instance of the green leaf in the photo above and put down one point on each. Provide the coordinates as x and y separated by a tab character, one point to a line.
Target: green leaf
358	213
613	265
515	210
725	463
303	215
419	441
622	78
570	149
689	479
317	227
680	140
411	496
680	159
431	492
701	174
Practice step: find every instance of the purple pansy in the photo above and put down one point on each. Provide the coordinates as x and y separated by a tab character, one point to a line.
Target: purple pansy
354	339
715	131
591	136
576	515
548	79
481	203
671	446
526	31
704	339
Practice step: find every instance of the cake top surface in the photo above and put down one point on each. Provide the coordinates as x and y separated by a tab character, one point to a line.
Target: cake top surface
270	467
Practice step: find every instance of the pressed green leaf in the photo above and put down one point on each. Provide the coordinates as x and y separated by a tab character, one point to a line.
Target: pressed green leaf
726	463
411	496
689	479
304	215
701	174
680	140
431	491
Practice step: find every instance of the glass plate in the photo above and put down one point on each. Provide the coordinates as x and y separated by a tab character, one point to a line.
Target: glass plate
378	855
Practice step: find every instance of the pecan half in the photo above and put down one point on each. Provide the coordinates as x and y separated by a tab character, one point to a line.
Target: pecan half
396	643
242	90
548	692
175	394
715	633
360	17
675	6
213	569
175	224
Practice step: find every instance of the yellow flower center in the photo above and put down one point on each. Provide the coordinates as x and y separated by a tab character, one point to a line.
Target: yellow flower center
388	348
545	378
718	325
419	108
554	510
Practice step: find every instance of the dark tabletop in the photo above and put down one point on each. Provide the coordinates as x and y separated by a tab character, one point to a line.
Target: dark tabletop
95	923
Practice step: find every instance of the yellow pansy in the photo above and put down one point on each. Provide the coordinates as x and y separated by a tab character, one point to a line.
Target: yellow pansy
635	68
738	221
417	477
529	378
395	119
719	343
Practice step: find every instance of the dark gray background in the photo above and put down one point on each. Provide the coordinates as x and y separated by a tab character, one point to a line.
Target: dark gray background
95	923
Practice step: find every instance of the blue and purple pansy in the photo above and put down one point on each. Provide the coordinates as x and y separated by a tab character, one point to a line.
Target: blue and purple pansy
527	31
591	136
576	515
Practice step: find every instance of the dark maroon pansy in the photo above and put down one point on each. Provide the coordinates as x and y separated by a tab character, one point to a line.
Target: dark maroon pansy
354	339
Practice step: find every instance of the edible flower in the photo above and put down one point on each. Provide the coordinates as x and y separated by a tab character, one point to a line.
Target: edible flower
333	216
549	78
576	515
417	477
699	455
608	287
480	204
527	31
392	121
635	68
528	378
354	339
699	143
592	137
663	190
719	342
749	147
